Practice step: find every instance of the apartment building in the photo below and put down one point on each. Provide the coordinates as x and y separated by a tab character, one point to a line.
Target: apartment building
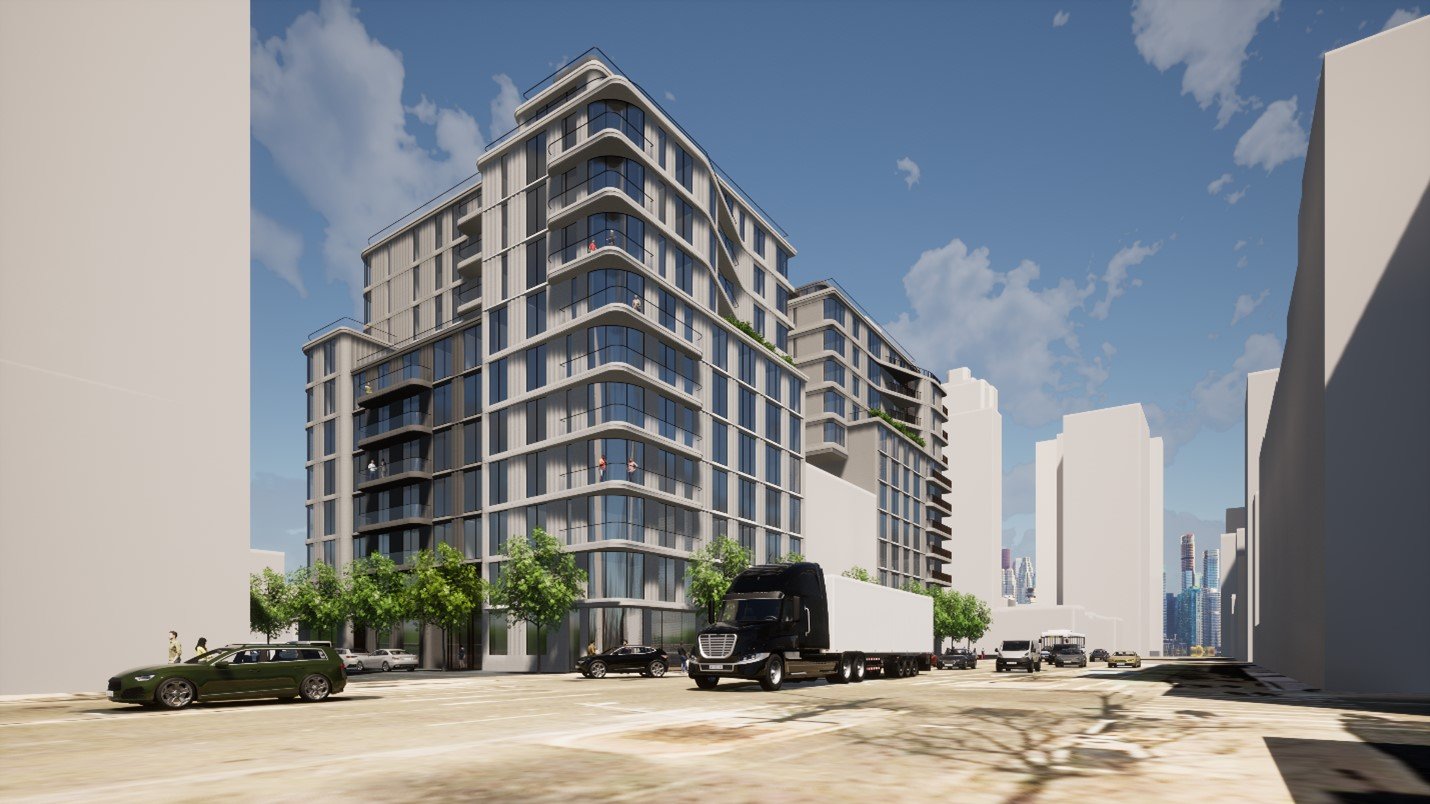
554	347
973	458
876	420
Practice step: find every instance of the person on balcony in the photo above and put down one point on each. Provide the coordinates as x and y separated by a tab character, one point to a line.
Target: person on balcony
631	468
601	468
591	246
610	237
636	303
371	467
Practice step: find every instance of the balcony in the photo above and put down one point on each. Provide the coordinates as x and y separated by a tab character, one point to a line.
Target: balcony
469	296
393	427
598	244
609	123
941	527
633	474
617	413
630	532
938	480
941	503
382	474
633	301
383	518
619	354
619	185
941	577
392	382
469	255
469	216
939	551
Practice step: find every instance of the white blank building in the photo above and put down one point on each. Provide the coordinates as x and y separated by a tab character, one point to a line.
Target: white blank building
974	457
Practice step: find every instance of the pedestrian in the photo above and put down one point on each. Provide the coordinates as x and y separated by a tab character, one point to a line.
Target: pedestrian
201	648
636	303
610	237
631	468
371	467
624	643
601	468
591	648
682	660
591	246
175	650
382	467
461	657
367	388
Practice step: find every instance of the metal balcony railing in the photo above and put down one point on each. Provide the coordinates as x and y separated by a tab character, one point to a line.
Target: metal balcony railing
617	412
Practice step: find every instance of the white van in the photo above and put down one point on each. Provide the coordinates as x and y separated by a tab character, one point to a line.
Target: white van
1018	653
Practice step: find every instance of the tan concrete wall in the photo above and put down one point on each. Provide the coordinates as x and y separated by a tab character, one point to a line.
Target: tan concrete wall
975	470
124	342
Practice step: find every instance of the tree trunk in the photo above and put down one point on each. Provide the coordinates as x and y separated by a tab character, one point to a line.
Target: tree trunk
538	649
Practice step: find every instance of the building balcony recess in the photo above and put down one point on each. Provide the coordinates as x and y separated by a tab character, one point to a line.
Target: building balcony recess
381	384
380	474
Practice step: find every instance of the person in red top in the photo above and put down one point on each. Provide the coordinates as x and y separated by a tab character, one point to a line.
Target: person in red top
601	468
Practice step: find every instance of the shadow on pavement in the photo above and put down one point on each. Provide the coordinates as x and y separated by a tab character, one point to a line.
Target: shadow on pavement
1337	770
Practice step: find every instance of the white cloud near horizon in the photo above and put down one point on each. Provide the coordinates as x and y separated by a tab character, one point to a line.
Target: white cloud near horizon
1401	16
1219	183
1061	18
1246	304
504	105
277	248
1276	137
910	169
1118	268
1210	37
326	102
1017	333
1217	401
1232	198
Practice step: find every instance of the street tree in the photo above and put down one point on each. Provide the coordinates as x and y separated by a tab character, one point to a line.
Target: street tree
539	584
377	596
972	617
318	599
270	604
859	574
790	558
443	591
712	568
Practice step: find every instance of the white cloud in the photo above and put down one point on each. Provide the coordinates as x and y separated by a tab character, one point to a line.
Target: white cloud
1274	138
1017	334
1219	184
1240	244
1400	17
1246	304
1241	263
1217	401
910	169
504	105
1116	274
1209	36
326	101
1061	18
670	96
1232	198
277	248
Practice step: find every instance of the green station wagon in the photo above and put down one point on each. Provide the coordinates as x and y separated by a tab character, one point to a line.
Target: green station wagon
309	670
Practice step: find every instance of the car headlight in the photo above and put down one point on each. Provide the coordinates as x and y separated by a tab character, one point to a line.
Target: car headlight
145	677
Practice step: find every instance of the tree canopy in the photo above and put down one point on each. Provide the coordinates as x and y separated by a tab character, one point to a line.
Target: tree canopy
539	582
712	568
377	596
270	604
858	573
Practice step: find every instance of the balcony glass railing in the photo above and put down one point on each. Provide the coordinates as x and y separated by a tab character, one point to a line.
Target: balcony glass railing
629	473
604	180
381	515
373	382
608	120
599	241
630	531
377	470
390	423
617	412
471	248
632	298
469	293
621	354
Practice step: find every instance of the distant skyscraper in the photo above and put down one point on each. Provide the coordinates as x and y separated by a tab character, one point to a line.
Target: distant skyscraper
1211	569
1189	561
1191	611
1024	580
1007	558
1009	582
1211	619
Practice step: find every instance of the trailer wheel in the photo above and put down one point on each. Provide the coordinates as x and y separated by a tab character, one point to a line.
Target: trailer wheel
774	674
845	673
706	682
858	668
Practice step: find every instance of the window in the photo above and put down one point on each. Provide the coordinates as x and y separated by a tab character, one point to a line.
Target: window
720	448
772	463
496	384
684	169
471	490
747	364
330	474
759	322
833	371
437	312
498	442
774	416
536	262
660	145
782	336
759	281
330	436
720	490
536	367
759	241
536	314
496	633
498	491
330	397
747	453
833	402
330	557
747	538
471	442
471	395
747	499
772	547
330	359
471	347
720	349
416	281
442	359
747	408
685	221
782	262
416	319
496	334
685	272
720	394
794	433
330	517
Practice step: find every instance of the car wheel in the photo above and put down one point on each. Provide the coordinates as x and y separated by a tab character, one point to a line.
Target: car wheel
598	669
857	668
386	667
315	688
657	668
412	669
706	682
175	693
774	674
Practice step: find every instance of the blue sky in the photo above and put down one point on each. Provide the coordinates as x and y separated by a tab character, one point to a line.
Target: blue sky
1089	203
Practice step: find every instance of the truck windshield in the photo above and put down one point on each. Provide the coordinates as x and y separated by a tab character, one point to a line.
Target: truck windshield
751	610
1015	645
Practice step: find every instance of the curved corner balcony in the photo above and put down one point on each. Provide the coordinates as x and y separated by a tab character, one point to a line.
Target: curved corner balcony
607	124
393	427
636	532
600	249
388	474
394	517
629	300
620	355
621	415
633	475
392	382
606	191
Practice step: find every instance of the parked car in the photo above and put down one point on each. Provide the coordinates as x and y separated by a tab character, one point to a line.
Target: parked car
351	661
957	659
235	672
643	659
1098	655
1018	653
386	659
1069	655
1126	658
1045	655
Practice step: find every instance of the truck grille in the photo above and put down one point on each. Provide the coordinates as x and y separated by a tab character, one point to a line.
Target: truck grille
717	646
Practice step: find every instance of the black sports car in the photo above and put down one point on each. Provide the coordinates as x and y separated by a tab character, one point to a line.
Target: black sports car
641	659
957	660
1098	655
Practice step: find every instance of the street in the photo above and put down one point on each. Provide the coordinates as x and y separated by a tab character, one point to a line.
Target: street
1177	731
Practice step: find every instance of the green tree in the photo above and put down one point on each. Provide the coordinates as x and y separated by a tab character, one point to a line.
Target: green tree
859	574
539	583
270	604
712	568
318	599
377	596
972	617
790	558
443	591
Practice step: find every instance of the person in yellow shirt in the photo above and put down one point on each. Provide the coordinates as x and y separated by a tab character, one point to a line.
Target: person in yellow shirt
175	650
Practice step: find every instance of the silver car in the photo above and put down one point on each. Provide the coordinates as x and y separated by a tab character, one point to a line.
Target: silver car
351	661
388	659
